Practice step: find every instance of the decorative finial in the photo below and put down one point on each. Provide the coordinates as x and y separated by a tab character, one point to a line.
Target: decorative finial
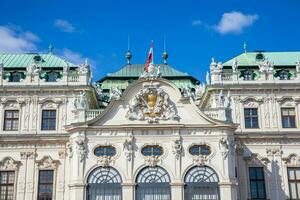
86	62
245	47
50	49
165	54
128	57
165	57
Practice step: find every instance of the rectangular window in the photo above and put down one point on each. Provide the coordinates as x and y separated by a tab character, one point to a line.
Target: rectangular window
45	190
257	183
11	120
294	182
288	118
49	120
251	118
7	180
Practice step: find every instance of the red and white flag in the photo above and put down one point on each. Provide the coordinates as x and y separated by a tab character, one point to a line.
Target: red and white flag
149	58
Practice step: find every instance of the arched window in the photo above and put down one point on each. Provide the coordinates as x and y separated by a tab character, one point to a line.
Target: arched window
201	182
104	183
153	183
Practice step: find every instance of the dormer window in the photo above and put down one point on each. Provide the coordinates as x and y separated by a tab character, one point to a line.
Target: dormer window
52	76
283	75
248	75
260	56
15	77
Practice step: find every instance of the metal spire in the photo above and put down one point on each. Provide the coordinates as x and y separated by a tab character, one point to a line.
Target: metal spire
245	47
50	49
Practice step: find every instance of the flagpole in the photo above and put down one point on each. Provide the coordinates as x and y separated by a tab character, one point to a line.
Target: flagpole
152	45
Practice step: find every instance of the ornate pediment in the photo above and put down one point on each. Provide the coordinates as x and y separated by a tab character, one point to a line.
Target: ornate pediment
8	163
292	160
47	163
152	104
255	159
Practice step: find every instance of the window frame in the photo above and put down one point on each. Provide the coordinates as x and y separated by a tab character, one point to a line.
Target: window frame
49	118
288	117
15	73
200	151
251	116
7	184
257	180
11	119
105	151
152	146
46	183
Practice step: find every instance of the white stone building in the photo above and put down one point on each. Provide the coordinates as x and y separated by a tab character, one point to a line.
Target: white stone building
160	137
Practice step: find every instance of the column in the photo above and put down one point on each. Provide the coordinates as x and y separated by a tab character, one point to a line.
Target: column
128	190
177	191
228	190
78	152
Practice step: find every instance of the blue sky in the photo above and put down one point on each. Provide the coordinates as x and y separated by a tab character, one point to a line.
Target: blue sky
195	30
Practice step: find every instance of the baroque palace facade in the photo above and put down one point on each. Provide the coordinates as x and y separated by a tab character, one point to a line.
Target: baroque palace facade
156	135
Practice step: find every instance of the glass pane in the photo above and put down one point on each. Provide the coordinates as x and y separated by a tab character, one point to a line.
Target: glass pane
247	112
52	114
253	189
291	174
254	111
292	121
255	122
247	123
11	177
285	112
259	173
293	192
261	189
252	173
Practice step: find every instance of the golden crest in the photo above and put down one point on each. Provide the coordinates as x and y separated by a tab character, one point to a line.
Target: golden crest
151	100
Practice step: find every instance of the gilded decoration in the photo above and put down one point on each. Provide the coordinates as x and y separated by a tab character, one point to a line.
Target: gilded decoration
152	104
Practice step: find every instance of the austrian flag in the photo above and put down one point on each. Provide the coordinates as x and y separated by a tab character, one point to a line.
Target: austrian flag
149	58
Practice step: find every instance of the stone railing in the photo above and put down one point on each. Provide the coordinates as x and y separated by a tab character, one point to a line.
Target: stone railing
212	112
233	78
71	78
93	113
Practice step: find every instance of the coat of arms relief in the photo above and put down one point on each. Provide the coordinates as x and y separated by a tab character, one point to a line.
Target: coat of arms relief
152	104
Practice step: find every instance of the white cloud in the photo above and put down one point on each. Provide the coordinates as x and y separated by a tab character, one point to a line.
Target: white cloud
196	23
16	41
64	25
75	57
234	22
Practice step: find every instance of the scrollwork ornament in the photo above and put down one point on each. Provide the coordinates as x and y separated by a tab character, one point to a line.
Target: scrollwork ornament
104	161
200	160
152	161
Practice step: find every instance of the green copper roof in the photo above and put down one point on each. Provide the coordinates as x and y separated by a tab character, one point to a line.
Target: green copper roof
24	60
278	58
130	72
123	84
135	70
